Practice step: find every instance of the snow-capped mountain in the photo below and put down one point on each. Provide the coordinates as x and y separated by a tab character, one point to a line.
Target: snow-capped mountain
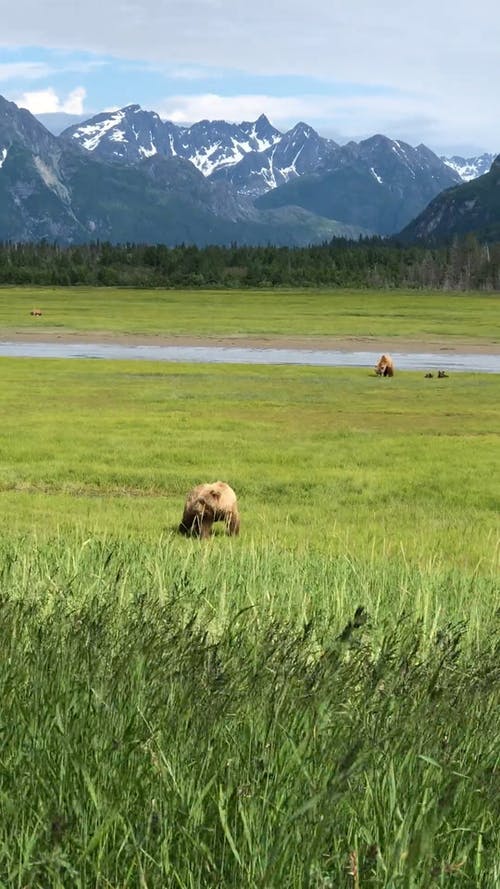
131	134
53	188
255	158
294	153
379	183
469	168
129	175
252	156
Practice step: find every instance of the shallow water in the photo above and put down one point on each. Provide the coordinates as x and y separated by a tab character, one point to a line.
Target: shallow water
425	361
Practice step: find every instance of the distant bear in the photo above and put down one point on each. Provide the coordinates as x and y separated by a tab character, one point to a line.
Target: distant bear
209	503
385	366
442	374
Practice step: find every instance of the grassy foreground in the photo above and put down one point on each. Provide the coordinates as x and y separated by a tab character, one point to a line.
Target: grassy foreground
313	705
234	718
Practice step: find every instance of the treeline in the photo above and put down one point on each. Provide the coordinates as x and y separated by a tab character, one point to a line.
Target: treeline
372	262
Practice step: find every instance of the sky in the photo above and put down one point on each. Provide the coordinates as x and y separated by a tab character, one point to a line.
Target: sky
420	72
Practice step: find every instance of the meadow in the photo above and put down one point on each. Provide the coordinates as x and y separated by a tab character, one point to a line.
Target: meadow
312	704
311	313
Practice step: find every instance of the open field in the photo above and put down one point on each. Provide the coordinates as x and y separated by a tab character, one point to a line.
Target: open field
335	458
400	315
313	705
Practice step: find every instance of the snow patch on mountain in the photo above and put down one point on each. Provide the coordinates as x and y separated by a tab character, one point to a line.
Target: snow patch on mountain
253	157
256	143
3	156
90	135
208	145
402	154
268	174
471	167
144	151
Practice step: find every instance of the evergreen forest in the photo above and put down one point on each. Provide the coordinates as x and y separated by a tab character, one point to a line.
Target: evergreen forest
369	262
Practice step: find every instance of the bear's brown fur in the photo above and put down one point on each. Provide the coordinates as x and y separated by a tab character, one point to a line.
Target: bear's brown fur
385	366
209	503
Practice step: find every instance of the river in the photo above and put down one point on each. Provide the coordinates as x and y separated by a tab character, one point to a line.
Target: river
425	361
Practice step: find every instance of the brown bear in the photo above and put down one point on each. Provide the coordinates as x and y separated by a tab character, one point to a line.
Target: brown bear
385	366
209	503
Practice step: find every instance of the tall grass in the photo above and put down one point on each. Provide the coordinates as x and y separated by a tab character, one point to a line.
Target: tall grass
217	716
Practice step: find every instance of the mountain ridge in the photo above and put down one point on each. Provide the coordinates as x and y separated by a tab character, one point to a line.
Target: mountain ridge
128	175
227	144
378	184
472	208
51	188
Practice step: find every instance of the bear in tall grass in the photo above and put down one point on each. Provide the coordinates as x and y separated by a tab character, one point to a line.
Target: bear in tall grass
385	366
208	503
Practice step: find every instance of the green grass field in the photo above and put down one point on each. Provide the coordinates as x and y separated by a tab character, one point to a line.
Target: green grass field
314	704
411	314
334	458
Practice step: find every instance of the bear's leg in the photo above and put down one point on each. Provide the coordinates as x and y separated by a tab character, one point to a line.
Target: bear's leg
205	526
233	524
191	525
186	524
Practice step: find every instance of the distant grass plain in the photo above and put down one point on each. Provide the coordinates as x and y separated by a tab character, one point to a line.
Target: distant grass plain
309	705
415	314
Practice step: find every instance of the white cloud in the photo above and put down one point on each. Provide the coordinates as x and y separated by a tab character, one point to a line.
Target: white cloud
186	72
336	112
447	50
23	71
186	109
386	42
412	117
47	101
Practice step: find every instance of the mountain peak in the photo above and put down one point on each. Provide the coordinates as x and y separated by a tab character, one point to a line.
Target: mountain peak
133	108
141	165
303	127
379	140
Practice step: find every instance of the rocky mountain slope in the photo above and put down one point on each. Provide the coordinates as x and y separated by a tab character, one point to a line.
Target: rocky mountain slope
127	175
51	188
471	208
132	134
379	184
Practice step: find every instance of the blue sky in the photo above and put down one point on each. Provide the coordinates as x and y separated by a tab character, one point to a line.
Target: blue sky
423	75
